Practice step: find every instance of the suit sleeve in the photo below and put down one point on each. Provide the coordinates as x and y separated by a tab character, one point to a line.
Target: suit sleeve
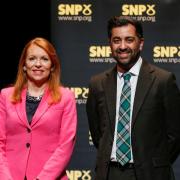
4	169
56	165
172	106
92	114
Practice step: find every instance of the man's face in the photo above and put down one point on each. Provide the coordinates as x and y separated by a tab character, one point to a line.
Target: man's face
125	46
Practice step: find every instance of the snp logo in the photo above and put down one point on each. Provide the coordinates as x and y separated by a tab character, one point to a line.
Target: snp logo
99	51
138	9
166	51
74	9
81	94
77	174
100	54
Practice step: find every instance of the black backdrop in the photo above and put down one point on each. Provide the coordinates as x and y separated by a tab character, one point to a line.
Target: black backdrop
20	22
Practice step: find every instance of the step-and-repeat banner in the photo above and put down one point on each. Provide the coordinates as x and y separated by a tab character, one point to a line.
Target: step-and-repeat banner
79	33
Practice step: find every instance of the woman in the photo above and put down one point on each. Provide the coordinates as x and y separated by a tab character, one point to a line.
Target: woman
38	118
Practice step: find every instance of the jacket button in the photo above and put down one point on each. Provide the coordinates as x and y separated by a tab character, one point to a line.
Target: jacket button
27	145
28	130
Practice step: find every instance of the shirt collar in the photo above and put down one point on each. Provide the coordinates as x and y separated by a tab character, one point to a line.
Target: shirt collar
135	69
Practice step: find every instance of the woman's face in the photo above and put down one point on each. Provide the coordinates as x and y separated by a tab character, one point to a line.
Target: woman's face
37	65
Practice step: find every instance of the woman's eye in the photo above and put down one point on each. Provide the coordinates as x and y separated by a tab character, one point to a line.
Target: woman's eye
31	58
45	59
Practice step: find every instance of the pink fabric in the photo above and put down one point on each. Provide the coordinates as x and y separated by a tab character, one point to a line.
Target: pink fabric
51	137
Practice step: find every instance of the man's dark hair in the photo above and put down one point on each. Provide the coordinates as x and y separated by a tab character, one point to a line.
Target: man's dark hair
118	21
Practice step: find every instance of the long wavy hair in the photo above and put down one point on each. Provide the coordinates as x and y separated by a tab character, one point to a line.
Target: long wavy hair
54	77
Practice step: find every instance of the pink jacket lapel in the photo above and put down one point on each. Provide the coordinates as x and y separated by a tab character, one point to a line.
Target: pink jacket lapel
21	108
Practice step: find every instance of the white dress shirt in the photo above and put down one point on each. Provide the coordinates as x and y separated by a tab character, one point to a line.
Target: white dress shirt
120	82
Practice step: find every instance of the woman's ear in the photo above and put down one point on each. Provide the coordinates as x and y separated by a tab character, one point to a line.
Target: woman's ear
24	68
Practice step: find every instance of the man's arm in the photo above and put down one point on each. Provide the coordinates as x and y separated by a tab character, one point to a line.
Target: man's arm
172	114
93	116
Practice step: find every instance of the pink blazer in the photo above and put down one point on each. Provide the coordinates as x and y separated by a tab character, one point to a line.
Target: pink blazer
43	149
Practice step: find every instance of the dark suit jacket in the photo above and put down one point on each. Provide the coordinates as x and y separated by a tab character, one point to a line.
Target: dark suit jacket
155	122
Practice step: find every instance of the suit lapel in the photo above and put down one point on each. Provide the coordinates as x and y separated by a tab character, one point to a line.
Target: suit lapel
21	108
110	84
42	108
143	85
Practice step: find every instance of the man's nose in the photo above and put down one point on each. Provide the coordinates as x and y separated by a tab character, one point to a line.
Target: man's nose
123	45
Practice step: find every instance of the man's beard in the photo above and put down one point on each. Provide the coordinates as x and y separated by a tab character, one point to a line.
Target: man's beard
130	62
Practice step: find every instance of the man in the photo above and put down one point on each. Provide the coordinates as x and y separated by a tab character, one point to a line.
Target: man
133	111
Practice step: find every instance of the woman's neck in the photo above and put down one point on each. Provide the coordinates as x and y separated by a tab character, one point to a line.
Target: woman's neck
34	90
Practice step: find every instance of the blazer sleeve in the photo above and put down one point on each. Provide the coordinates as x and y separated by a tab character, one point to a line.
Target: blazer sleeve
172	106
92	114
57	163
4	169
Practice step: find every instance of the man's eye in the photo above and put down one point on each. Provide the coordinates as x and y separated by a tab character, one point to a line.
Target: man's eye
116	41
130	40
